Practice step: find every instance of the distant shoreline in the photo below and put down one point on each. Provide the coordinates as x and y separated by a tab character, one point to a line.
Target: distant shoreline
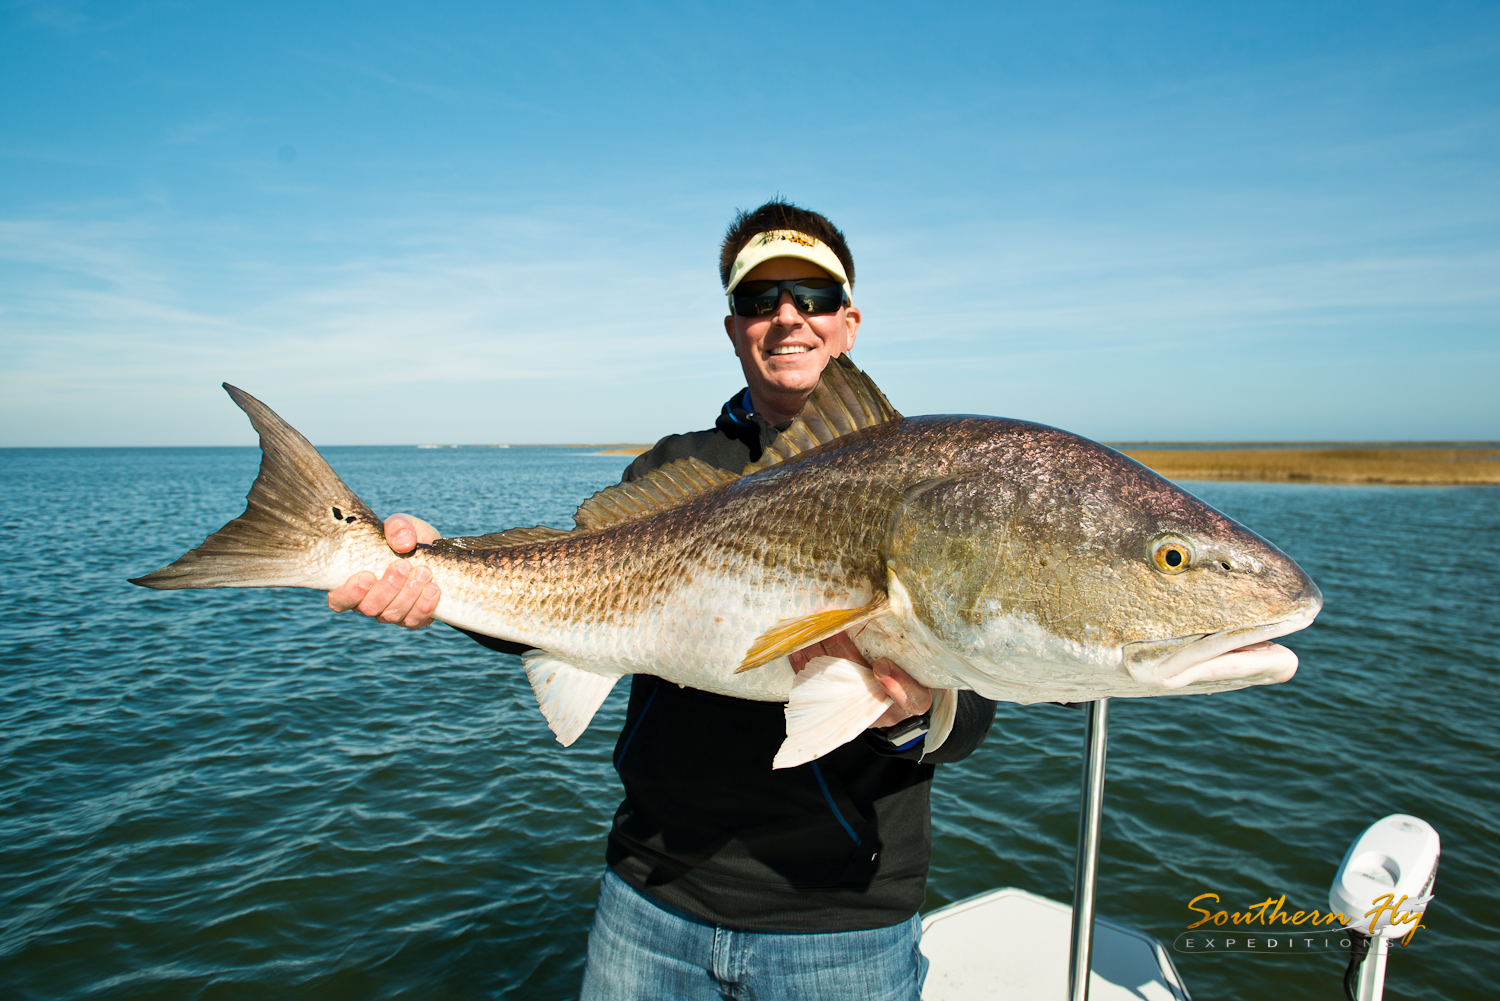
1302	444
1408	464
1404	463
1448	463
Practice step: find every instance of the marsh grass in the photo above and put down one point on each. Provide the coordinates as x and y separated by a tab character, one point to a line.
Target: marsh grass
1427	466
1324	463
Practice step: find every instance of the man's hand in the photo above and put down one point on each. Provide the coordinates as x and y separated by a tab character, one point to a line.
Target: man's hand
909	697
404	593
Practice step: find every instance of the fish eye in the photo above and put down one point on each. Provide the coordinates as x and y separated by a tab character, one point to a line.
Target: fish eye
1172	556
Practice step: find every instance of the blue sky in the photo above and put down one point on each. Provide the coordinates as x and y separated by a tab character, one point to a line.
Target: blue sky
499	223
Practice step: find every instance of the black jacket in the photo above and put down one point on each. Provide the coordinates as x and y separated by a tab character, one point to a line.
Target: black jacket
707	826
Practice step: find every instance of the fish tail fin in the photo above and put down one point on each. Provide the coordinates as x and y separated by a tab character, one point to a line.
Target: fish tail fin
298	516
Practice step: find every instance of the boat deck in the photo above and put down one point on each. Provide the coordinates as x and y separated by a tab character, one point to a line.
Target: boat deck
1011	944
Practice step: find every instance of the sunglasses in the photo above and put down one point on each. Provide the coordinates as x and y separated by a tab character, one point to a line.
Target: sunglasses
810	295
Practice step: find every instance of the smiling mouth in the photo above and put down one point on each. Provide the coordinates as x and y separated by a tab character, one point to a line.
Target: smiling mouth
791	349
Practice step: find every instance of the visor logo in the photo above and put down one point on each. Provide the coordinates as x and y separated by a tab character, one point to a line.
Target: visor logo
787	236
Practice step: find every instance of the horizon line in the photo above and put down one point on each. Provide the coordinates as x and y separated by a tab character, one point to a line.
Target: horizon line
1284	443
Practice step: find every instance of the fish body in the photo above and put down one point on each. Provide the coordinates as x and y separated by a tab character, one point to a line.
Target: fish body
1017	560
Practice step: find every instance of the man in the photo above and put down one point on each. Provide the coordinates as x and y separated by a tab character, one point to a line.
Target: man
727	878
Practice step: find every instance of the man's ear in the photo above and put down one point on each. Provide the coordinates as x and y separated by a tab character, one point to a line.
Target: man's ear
851	325
729	329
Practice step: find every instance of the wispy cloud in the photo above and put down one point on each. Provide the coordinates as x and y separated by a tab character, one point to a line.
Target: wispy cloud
101	312
529	328
500	224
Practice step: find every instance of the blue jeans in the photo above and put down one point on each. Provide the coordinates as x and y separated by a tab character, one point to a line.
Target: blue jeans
641	951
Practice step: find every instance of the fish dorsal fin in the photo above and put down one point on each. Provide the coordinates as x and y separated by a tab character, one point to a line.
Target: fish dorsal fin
845	401
508	539
659	489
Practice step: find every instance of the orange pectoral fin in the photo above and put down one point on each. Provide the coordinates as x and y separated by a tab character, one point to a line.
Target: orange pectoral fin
791	635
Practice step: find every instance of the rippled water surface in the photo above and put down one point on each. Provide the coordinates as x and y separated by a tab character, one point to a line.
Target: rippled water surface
235	794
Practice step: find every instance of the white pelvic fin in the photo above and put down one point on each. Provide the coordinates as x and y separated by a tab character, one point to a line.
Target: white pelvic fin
568	696
944	709
833	701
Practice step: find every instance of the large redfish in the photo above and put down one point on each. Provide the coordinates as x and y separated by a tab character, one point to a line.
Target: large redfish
1014	559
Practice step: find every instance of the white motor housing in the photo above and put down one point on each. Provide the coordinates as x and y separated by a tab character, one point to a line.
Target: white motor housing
1397	855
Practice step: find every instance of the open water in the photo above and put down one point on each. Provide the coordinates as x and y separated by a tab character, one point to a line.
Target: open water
235	794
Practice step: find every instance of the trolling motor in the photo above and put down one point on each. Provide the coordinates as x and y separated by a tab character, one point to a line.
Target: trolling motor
1383	886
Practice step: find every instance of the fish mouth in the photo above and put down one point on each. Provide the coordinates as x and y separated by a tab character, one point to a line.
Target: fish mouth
1245	655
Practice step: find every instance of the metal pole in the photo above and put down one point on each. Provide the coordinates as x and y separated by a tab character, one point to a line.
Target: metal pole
1372	971
1086	867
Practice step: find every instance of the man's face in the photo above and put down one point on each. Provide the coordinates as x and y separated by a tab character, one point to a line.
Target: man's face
783	352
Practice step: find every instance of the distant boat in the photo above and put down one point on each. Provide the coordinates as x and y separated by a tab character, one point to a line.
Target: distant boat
442	446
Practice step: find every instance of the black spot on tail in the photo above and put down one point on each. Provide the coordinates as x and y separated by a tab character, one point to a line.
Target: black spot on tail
338	515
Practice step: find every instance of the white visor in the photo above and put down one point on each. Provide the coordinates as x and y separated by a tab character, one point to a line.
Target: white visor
786	243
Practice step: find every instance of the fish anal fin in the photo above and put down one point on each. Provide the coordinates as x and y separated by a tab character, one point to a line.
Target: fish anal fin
845	401
833	701
666	487
509	539
791	635
568	696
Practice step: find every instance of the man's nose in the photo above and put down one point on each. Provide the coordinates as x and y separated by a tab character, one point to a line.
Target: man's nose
786	311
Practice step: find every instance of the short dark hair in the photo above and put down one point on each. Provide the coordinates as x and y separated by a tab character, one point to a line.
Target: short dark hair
778	213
